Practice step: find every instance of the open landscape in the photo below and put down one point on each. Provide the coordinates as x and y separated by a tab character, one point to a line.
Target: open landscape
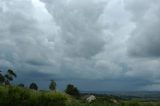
18	96
79	52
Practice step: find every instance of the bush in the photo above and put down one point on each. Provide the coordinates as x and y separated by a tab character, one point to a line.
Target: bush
17	96
2	79
52	85
33	86
3	94
13	96
52	99
72	90
21	85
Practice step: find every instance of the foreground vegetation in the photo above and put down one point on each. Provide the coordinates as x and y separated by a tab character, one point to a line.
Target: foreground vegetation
17	96
30	96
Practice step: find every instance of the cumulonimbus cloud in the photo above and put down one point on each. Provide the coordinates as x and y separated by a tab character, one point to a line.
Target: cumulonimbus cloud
81	39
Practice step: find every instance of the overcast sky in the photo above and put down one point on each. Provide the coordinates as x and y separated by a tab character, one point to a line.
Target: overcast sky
94	44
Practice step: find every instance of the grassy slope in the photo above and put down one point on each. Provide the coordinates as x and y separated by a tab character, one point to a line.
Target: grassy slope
16	96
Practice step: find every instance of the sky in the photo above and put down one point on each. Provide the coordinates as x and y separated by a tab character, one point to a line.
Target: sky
97	45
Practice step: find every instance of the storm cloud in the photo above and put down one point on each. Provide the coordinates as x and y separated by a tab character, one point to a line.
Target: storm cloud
114	43
146	36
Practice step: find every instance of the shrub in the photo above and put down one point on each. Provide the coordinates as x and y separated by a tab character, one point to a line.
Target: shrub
3	94
13	96
72	90
52	99
133	103
52	85
33	86
21	85
17	96
1	78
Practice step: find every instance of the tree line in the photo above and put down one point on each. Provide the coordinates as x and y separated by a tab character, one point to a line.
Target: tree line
10	75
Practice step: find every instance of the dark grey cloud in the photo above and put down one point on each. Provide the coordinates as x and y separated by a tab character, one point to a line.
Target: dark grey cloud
144	41
80	33
38	63
114	43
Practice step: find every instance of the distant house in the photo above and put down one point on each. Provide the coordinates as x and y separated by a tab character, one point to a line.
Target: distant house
91	98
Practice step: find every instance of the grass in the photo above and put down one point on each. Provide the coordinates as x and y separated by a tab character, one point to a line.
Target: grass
17	96
111	104
107	102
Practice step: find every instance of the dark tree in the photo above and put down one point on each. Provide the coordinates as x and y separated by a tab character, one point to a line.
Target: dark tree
33	86
12	73
52	85
9	76
2	79
72	90
21	85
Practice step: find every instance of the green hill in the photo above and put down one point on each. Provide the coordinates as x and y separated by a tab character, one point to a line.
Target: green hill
17	96
20	96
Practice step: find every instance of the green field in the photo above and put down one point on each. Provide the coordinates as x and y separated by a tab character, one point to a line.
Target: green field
17	96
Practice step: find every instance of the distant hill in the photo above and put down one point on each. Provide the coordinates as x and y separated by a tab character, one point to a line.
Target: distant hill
154	95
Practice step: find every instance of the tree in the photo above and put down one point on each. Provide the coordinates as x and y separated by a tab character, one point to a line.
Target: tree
52	85
2	79
33	86
21	85
11	72
72	90
9	76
